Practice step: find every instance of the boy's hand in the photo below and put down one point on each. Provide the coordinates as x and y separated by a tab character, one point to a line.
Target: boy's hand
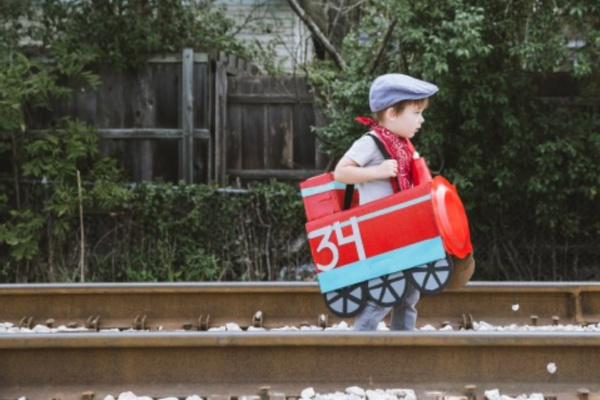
388	169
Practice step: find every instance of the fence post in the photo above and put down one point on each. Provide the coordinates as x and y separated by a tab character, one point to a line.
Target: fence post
186	159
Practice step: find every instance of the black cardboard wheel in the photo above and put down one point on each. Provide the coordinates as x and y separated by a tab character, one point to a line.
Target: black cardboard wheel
388	290
431	278
347	301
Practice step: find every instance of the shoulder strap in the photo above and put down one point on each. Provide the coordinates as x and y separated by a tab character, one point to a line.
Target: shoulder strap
380	146
350	188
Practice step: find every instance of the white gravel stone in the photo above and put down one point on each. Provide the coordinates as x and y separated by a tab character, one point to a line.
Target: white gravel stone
536	396
515	307
109	397
144	398
308	393
428	328
382	326
355	390
310	328
286	328
377	394
341	326
193	397
254	328
232	326
551	367
127	396
493	394
405	394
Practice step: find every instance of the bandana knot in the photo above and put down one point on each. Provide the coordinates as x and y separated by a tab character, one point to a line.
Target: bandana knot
399	148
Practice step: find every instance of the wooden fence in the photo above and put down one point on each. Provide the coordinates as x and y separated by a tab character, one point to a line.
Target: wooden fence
269	129
199	117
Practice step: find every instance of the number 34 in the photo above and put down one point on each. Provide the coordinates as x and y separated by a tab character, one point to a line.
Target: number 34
326	244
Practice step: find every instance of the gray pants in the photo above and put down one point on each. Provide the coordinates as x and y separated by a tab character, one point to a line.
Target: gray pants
404	316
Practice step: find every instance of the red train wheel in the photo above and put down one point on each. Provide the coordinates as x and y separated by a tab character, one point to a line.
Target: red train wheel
387	290
348	301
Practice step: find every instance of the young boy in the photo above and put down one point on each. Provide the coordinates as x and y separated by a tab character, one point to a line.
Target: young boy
397	102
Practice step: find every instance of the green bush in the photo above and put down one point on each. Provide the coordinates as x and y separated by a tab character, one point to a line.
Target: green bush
156	232
523	163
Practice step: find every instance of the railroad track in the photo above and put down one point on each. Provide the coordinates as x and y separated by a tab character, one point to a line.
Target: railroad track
161	343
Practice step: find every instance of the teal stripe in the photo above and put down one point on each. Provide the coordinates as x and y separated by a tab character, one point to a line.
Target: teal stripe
383	264
323	188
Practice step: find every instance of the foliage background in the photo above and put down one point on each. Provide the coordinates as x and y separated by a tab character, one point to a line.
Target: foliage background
514	126
522	151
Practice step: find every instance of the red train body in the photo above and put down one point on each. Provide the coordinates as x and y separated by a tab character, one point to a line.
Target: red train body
371	251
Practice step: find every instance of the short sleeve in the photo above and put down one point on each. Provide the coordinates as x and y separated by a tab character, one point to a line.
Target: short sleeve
364	152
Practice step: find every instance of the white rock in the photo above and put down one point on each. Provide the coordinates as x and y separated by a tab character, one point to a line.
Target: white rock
551	367
536	396
310	328
342	326
127	396
505	397
254	328
193	397
515	307
406	394
286	328
376	395
428	328
109	397
217	328
307	393
232	326
382	326
355	390
493	394
41	329
145	398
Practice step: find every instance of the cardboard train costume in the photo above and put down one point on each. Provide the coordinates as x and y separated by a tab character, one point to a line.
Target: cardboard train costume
372	250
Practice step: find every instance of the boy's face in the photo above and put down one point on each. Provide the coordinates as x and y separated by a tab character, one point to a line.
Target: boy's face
406	123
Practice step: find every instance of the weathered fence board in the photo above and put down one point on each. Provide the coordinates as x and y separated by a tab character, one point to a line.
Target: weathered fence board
269	129
237	126
140	117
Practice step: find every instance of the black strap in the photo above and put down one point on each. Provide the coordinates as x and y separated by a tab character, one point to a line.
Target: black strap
380	146
348	196
350	188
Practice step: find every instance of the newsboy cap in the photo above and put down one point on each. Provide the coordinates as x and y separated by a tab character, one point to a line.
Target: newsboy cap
390	89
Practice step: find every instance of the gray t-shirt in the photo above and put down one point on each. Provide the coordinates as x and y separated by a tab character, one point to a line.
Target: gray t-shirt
365	153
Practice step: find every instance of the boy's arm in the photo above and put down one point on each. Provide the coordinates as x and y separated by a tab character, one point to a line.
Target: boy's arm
349	172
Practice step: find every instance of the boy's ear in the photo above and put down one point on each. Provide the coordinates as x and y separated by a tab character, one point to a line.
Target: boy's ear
390	113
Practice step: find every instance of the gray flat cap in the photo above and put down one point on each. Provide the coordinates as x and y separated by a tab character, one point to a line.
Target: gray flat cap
390	89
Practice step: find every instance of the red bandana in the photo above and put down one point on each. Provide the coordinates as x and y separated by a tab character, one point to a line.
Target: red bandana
399	148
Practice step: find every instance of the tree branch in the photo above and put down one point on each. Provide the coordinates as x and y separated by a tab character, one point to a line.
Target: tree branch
382	46
316	31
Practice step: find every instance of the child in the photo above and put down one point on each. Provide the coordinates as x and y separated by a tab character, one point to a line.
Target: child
397	102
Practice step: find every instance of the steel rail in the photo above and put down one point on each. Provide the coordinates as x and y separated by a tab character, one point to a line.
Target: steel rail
198	306
234	363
